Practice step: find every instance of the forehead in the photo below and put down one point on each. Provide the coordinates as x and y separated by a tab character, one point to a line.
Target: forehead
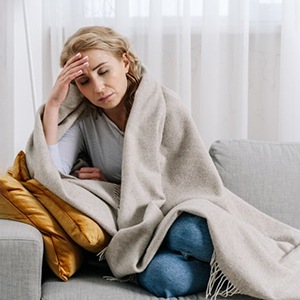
98	55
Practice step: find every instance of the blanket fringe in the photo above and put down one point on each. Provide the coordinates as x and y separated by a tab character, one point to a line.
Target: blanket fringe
129	278
101	254
218	284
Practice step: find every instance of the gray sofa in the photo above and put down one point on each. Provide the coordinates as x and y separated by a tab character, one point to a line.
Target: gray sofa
267	175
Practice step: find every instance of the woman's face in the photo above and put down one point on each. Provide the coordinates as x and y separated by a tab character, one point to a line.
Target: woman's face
104	82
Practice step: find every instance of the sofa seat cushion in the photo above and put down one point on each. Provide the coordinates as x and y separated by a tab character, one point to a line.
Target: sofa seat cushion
265	174
89	284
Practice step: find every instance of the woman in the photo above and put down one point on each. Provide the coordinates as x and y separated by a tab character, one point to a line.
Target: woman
107	73
152	185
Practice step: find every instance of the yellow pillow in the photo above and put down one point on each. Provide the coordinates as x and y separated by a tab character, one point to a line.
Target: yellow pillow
63	256
82	229
26	200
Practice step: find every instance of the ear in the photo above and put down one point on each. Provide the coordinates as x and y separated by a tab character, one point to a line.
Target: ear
126	61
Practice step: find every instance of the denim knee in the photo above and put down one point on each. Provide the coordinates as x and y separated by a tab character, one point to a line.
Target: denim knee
169	274
190	235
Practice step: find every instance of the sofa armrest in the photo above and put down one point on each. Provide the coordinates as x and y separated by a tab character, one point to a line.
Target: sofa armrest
21	258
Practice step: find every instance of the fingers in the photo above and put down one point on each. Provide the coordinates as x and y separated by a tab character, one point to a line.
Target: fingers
74	67
90	173
73	59
77	61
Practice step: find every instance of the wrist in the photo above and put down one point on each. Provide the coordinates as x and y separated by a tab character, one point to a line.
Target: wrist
52	104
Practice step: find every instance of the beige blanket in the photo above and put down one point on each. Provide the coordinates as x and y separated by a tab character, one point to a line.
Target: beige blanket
166	170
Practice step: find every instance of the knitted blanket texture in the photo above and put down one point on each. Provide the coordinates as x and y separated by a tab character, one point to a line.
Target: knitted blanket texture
166	170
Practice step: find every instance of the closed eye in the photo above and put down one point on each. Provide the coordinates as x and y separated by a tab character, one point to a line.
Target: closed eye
83	81
103	72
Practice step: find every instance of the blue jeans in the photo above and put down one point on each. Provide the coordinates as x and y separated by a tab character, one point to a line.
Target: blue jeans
182	264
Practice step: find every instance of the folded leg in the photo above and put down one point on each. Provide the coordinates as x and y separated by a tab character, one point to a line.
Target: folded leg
170	274
190	235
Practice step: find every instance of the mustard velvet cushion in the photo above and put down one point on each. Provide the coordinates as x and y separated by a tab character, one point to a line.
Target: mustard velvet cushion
40	204
83	230
63	256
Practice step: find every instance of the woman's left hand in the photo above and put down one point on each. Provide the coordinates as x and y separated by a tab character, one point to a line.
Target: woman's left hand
90	173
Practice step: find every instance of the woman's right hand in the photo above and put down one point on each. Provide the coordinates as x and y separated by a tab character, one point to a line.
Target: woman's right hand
72	69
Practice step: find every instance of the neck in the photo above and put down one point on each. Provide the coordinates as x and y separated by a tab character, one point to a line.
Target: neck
118	116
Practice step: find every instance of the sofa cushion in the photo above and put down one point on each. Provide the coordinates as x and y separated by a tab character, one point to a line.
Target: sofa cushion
265	174
90	283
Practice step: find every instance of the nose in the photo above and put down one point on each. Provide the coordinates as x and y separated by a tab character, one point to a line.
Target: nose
98	86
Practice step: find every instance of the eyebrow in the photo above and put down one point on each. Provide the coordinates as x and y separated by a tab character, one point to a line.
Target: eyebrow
99	66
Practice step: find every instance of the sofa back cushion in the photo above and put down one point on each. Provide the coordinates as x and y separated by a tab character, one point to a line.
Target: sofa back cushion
265	174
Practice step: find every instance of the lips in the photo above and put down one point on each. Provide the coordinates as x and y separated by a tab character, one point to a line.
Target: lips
106	97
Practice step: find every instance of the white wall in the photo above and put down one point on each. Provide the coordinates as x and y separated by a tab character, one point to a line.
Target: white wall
16	96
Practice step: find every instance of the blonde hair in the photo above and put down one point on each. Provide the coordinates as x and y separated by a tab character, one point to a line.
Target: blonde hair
106	39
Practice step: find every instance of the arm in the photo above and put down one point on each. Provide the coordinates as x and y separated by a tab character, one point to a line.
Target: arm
66	151
71	70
